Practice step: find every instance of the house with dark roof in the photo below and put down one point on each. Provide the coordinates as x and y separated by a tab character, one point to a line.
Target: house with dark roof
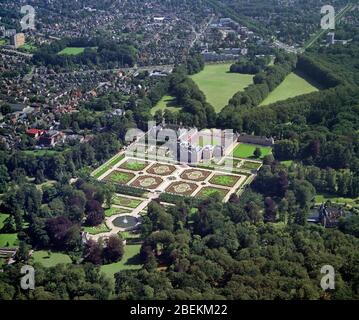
327	215
51	138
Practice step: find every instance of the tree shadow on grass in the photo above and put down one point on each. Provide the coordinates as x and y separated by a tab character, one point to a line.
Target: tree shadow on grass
135	260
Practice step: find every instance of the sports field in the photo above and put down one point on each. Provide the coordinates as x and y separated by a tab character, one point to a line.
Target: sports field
219	85
51	260
71	51
129	261
166	103
293	85
244	150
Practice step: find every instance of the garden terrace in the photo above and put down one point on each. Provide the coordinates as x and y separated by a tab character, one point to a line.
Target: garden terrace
118	176
182	188
161	169
207	192
195	175
134	165
127	202
224	180
147	182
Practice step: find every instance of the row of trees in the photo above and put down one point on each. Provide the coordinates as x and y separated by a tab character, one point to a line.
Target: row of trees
265	82
250	66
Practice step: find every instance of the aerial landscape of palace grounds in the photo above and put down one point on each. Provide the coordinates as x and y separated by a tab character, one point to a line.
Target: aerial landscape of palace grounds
179	150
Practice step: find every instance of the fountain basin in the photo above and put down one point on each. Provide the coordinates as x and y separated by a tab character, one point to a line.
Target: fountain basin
125	222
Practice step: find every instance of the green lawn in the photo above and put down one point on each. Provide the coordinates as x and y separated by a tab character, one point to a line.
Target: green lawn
102	228
224	180
114	211
292	86
121	177
126	202
126	235
245	150
166	103
71	51
219	85
207	192
8	240
321	198
3	217
29	47
287	163
130	261
248	165
3	41
107	166
51	260
134	165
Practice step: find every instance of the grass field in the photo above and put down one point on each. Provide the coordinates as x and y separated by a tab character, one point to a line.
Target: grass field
287	163
321	198
97	230
130	261
292	86
7	239
51	260
134	165
2	42
3	217
114	211
126	202
224	180
166	103
121	177
207	192
29	47
248	165
244	150
107	166
219	85
71	51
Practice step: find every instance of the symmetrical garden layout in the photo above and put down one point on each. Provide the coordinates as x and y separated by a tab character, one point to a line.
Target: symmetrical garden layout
156	177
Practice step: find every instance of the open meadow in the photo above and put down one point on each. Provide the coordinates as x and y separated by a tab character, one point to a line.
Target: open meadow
219	85
293	85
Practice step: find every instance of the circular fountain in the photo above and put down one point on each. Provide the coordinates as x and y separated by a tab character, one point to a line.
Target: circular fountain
126	222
